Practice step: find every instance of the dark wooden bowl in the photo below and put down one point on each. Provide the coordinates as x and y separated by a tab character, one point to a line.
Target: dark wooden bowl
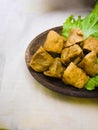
51	83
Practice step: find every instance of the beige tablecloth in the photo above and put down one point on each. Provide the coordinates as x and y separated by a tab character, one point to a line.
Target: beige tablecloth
24	103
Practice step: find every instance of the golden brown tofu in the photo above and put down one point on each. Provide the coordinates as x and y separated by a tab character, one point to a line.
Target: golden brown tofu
91	44
71	53
75	36
56	69
41	60
89	64
54	42
75	76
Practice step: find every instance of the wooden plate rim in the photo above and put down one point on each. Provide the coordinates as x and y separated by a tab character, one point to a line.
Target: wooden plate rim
54	84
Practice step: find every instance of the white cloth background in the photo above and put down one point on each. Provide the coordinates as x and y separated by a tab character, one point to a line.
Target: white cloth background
24	103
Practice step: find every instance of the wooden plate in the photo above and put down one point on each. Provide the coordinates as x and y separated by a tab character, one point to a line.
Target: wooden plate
51	83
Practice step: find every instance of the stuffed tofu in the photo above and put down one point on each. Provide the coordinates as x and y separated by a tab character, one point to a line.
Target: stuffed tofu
75	76
41	60
91	44
89	63
75	36
56	69
54	42
71	53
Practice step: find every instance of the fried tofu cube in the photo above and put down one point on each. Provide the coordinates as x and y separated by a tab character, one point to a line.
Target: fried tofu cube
56	69
75	36
72	53
75	76
91	44
90	64
41	60
54	42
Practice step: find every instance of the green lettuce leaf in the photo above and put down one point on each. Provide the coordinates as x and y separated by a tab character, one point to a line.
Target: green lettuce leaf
92	83
89	24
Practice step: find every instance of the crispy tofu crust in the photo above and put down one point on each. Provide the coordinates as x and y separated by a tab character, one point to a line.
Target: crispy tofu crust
71	53
54	42
75	36
56	69
41	60
75	76
91	44
89	63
